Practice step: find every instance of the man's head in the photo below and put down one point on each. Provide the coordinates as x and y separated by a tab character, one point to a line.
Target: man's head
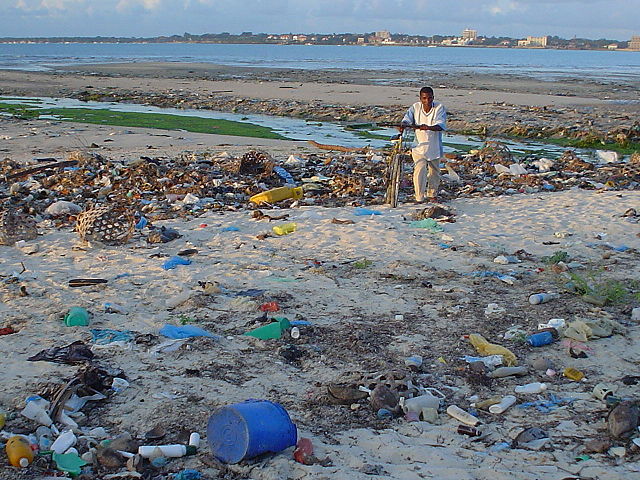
426	97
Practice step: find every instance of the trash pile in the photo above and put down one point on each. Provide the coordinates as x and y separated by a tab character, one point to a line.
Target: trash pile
162	188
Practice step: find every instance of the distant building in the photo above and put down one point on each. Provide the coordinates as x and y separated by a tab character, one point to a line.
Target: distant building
612	46
383	35
634	43
468	34
534	42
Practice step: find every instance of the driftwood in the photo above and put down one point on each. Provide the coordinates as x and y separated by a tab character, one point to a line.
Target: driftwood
31	171
339	148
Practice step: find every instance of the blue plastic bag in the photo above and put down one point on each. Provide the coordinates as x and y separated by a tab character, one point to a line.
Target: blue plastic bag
174	261
185	331
365	211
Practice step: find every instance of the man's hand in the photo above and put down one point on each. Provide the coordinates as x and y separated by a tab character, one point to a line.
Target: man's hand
424	127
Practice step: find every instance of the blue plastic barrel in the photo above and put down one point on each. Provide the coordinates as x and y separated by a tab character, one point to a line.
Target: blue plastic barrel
251	428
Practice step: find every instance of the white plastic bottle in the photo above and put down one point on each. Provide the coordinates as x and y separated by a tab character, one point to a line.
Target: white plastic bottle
194	439
171	451
64	442
535	387
506	402
462	416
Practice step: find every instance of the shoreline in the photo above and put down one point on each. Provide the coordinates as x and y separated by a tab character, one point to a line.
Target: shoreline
475	103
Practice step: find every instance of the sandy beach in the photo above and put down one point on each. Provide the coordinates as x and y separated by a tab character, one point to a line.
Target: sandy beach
369	293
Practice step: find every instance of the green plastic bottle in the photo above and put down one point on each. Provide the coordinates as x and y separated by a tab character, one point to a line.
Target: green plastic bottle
271	331
77	316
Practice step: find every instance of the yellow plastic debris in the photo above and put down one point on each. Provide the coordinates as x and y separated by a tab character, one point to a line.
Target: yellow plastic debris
484	348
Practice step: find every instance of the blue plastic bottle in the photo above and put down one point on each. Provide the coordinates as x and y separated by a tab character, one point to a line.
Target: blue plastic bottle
540	339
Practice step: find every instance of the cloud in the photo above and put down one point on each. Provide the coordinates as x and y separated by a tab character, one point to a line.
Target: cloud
566	18
124	5
503	7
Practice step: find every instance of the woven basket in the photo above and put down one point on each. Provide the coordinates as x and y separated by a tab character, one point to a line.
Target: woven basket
15	227
108	224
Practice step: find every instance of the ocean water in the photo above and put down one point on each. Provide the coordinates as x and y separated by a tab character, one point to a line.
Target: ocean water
606	66
299	129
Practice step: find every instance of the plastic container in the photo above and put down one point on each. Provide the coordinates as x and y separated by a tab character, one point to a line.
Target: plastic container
169	451
251	428
272	331
76	317
419	403
467	430
535	387
485	404
540	339
37	411
285	228
64	442
277	195
19	451
539	298
504	404
573	374
194	439
507	372
602	390
462	416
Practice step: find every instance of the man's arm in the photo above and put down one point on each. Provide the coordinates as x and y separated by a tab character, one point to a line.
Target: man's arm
408	119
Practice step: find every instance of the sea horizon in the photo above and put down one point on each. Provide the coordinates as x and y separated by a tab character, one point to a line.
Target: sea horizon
541	64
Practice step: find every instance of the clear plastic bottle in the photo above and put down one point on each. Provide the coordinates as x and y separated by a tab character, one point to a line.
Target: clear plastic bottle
535	387
538	298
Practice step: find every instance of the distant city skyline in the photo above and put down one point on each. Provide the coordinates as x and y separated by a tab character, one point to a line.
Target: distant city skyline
593	19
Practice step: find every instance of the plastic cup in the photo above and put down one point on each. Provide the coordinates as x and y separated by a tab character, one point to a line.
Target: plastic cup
245	430
601	391
77	316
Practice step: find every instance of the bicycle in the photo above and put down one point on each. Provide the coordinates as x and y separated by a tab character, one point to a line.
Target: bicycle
395	164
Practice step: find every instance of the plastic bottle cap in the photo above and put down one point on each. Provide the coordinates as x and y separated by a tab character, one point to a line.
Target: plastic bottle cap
295	332
24	462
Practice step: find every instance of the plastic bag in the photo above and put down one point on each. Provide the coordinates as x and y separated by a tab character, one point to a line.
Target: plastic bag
483	347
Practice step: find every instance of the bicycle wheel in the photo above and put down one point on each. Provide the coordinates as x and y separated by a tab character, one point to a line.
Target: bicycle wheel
394	175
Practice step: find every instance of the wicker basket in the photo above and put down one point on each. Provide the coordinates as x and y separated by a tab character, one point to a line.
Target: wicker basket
108	224
15	227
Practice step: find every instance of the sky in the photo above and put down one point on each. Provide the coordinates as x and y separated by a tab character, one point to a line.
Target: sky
611	19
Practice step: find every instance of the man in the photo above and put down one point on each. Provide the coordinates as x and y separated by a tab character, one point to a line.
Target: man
429	119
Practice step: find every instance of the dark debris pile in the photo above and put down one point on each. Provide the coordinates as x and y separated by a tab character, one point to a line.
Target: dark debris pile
192	183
